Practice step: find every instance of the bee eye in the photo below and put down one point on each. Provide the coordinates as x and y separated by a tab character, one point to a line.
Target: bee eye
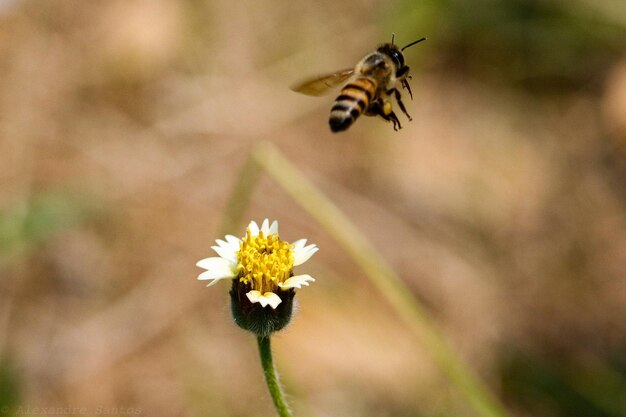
398	58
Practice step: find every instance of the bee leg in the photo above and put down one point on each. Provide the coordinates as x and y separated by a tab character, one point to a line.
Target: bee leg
391	118
383	109
388	114
402	75
396	123
405	84
399	100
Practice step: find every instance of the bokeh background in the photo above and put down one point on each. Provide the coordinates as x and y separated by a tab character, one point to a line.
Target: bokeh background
123	126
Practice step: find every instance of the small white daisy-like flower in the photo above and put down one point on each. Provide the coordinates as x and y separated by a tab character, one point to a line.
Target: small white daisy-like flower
260	263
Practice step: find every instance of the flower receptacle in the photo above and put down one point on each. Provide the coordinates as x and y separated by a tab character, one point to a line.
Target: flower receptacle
262	321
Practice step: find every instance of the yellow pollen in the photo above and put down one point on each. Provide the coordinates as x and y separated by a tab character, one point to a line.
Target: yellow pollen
264	261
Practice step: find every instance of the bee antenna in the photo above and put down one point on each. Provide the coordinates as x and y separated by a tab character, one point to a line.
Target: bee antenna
412	43
393	35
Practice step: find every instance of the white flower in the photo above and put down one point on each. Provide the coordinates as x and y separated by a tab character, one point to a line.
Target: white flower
261	261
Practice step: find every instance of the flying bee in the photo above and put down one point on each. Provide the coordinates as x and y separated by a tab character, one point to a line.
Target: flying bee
374	80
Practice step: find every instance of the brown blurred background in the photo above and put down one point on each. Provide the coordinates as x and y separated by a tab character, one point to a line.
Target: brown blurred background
123	125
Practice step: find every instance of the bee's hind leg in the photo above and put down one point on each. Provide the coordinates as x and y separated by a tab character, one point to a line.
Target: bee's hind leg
399	100
383	109
394	119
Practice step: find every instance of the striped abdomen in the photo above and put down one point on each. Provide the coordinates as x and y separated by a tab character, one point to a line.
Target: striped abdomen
355	97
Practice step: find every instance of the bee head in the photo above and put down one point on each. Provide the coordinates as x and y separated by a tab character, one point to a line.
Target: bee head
393	52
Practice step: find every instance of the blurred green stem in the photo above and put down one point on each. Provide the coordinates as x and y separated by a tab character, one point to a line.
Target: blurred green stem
381	275
240	196
271	378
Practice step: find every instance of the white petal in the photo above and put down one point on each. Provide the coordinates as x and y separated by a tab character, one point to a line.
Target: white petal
265	227
221	243
230	245
298	244
215	275
233	240
254	228
233	247
297	281
226	253
302	255
269	298
215	263
274	227
253	296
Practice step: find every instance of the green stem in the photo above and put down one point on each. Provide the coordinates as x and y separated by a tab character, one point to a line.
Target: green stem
239	199
271	377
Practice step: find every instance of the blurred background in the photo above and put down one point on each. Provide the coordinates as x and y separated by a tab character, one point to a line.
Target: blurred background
123	126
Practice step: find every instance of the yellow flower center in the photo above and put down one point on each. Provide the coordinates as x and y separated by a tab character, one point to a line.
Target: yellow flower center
264	261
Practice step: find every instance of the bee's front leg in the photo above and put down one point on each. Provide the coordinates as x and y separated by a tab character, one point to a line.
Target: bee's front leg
403	77
405	84
399	100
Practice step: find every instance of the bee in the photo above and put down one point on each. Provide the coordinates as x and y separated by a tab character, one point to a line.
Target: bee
374	79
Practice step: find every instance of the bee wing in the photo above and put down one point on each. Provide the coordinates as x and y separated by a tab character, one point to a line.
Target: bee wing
323	84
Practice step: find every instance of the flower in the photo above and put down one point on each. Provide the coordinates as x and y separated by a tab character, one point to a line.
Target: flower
261	264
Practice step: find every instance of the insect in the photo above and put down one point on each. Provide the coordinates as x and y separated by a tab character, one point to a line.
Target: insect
374	80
